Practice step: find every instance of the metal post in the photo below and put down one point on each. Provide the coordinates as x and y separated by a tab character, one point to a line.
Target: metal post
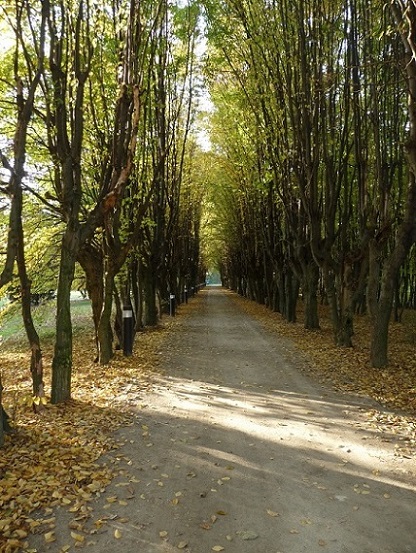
127	330
172	305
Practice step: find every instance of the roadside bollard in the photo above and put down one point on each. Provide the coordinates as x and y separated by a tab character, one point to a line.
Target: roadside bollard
185	295
172	305
127	330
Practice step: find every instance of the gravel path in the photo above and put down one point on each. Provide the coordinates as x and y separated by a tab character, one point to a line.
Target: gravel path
236	450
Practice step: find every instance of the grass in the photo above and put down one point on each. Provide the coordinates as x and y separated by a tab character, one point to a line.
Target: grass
12	330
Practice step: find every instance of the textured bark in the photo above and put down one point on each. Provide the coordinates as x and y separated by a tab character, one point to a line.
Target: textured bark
310	289
62	359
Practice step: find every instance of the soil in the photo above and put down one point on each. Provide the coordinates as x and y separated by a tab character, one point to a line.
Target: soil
236	448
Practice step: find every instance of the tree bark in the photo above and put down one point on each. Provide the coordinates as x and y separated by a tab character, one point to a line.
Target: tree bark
105	332
309	289
62	359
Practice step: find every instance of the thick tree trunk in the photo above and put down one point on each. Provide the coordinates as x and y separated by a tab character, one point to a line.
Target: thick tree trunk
380	335
291	296
342	322
150	305
91	260
62	359
310	289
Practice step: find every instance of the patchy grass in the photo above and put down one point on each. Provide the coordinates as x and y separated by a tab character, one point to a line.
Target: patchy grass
12	331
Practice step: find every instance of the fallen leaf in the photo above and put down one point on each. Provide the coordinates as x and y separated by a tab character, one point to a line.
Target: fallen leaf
49	537
205	526
272	513
117	533
218	548
78	537
182	545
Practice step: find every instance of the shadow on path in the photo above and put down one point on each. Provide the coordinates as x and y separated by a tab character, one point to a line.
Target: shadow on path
235	448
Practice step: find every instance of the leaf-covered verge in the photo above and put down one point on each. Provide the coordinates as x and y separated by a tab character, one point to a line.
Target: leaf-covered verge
349	370
51	459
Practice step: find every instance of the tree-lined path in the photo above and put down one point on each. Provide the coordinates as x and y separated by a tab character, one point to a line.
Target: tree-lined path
236	450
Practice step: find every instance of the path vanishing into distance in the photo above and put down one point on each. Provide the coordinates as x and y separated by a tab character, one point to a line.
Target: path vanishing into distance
237	449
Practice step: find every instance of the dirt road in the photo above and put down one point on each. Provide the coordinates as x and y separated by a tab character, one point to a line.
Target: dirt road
236	450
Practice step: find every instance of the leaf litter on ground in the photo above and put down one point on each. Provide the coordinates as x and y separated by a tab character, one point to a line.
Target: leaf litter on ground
53	458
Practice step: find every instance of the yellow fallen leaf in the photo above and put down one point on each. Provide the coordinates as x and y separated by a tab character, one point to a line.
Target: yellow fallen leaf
218	548
19	533
117	533
272	513
182	545
163	534
49	537
222	513
77	537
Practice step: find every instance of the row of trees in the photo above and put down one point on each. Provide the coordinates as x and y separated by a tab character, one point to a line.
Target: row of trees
315	138
98	103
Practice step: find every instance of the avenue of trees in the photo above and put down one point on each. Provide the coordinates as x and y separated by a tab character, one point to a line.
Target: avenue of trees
315	142
100	168
311	175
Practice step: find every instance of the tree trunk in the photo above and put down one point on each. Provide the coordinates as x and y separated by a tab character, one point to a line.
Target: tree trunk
90	258
36	362
62	359
150	306
309	289
105	332
341	318
291	296
379	335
